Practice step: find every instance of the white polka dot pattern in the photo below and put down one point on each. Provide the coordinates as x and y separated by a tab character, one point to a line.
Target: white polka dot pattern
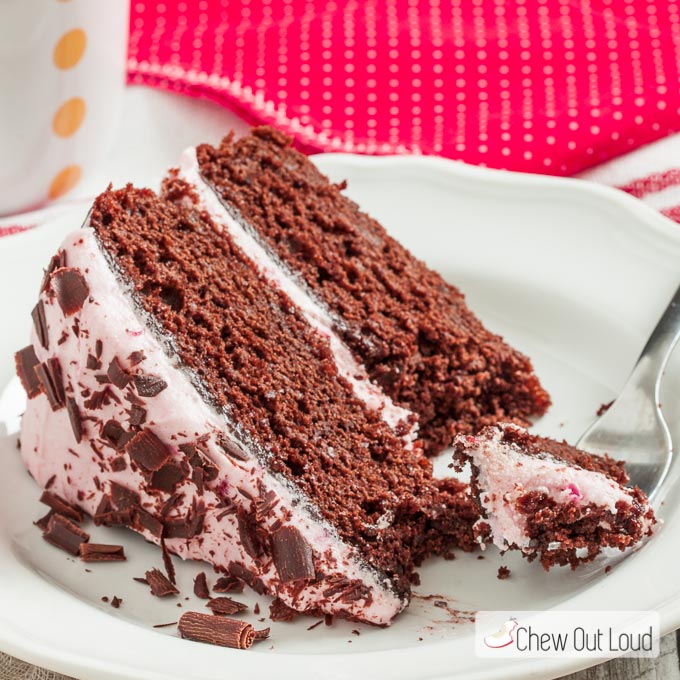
551	86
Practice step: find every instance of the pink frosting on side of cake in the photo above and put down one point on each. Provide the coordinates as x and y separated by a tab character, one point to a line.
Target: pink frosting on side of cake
505	474
315	313
82	472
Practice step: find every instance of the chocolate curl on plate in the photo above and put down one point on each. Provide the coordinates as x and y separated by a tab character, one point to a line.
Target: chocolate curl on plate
216	630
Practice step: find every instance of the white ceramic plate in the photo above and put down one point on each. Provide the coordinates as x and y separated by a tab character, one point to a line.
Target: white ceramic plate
573	274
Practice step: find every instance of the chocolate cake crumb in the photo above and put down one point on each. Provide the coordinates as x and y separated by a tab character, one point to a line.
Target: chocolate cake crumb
256	608
503	573
603	408
116	602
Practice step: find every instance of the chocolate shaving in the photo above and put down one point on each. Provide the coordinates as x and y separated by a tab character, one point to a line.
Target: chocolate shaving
244	574
50	377
122	497
136	357
101	552
197	478
166	625
71	289
169	505
44	521
228	584
147	450
140	579
113	432
118	464
247	529
26	362
92	363
186	527
64	534
216	630
149	385
232	449
117	374
137	415
198	459
315	625
225	606
293	556
59	505
145	520
262	634
75	418
264	504
58	261
280	611
116	602
159	583
50	482
40	323
167	562
101	398
168	477
201	586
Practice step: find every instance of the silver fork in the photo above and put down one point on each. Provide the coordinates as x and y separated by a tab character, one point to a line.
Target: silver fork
633	429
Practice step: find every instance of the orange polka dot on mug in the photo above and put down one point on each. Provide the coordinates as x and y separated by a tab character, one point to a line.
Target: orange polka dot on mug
64	181
69	117
70	48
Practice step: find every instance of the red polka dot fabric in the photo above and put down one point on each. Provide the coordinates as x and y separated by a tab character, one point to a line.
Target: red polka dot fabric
549	86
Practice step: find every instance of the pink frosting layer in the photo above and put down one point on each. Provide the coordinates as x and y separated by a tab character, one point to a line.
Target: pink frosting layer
505	474
83	471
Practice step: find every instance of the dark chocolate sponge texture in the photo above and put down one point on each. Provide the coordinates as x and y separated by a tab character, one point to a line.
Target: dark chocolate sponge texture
411	329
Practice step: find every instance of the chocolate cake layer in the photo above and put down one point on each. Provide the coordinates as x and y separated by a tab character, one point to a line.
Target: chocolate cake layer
548	499
410	329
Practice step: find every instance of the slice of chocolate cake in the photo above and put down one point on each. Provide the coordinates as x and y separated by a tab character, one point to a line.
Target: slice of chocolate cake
176	391
410	331
550	500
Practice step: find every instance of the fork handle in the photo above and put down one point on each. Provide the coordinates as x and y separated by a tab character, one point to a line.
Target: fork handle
658	348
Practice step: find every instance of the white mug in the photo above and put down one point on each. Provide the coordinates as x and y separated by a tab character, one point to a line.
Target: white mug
62	76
